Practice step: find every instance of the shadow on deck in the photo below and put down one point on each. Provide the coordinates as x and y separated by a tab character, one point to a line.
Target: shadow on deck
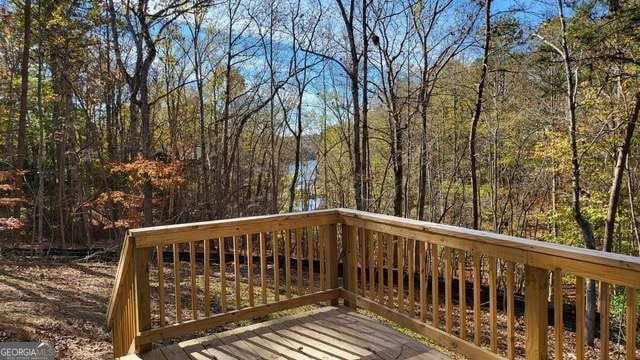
326	333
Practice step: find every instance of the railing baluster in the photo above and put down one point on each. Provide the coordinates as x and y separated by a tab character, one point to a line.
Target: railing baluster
604	320
435	299
126	318
311	238
159	255
194	284
389	241
207	287
250	269
263	267
580	317
276	264
321	254
630	330
223	270
299	261
129	323
448	272
371	258
142	293
118	332
287	261
558	326
236	270
477	316
352	263
510	311
132	328
363	267
401	242
462	294
380	266
493	302
423	279
411	274
176	278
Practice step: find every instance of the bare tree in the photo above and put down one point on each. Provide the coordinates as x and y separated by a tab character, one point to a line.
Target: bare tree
302	32
347	13
429	21
618	174
392	44
586	228
475	201
145	28
24	88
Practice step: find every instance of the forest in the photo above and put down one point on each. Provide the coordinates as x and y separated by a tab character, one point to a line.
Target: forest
510	116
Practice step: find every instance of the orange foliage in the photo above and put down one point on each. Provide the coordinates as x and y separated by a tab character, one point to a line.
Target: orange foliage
11	202
120	198
129	207
163	175
10	224
6	187
11	174
124	224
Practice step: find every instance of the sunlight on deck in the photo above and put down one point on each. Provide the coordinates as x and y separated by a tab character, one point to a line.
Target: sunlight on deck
326	333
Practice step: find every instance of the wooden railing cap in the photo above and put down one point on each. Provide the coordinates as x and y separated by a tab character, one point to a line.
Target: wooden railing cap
626	262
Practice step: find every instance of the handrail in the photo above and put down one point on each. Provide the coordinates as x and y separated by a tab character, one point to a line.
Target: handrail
384	271
622	269
151	236
122	303
126	256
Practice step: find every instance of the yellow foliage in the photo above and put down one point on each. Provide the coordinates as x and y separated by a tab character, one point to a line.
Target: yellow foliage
555	150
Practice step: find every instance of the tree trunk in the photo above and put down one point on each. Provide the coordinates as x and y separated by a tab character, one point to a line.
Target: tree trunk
585	226
475	201
42	149
296	165
204	158
365	104
396	153
24	98
618	174
352	73
145	117
422	178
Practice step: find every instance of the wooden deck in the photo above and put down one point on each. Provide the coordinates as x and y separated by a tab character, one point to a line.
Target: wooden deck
399	269
326	333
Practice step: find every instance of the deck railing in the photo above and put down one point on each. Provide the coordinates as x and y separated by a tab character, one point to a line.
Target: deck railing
177	280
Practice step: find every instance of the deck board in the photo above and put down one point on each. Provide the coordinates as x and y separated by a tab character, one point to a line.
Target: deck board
326	333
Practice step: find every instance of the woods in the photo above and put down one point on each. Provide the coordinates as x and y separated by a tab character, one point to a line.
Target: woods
519	119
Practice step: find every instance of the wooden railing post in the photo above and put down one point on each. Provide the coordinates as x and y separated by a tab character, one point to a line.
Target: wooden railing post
142	299
536	309
349	271
330	234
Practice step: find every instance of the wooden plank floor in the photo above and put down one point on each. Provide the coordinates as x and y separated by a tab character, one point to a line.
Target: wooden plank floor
326	333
